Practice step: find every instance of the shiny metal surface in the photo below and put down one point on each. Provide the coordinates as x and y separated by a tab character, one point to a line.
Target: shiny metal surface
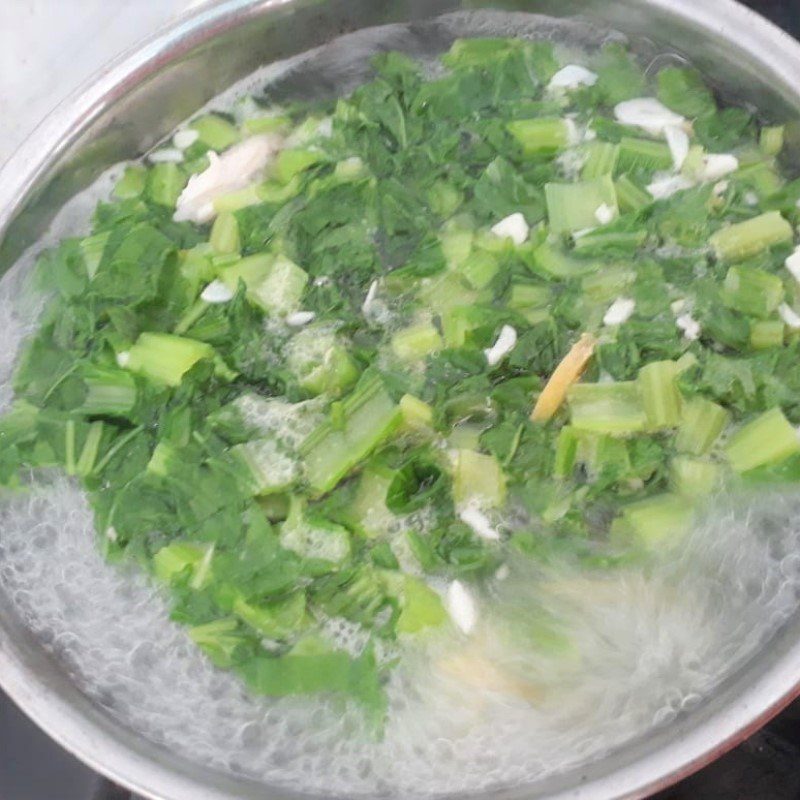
132	104
51	47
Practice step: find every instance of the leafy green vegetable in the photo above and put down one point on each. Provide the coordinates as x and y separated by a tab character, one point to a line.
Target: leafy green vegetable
684	91
416	484
275	413
574	206
725	129
619	77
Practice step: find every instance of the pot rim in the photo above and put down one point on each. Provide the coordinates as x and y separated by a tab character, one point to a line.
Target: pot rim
76	724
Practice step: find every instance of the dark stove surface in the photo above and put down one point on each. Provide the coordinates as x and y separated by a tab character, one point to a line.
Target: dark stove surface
765	767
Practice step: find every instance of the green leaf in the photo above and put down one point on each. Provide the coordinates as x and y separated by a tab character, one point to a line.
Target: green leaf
724	130
278	619
503	190
422	608
133	265
684	91
417	483
619	77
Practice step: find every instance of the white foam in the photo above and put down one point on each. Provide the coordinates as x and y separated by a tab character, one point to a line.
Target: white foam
644	646
572	161
290	422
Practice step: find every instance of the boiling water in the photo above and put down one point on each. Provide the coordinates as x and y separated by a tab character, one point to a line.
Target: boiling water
638	646
645	646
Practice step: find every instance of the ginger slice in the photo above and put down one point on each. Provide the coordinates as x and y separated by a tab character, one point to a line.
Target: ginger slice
474	669
565	374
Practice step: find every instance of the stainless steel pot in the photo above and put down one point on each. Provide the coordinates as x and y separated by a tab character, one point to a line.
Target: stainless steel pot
137	100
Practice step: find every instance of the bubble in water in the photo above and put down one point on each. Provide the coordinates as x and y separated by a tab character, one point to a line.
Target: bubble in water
647	644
